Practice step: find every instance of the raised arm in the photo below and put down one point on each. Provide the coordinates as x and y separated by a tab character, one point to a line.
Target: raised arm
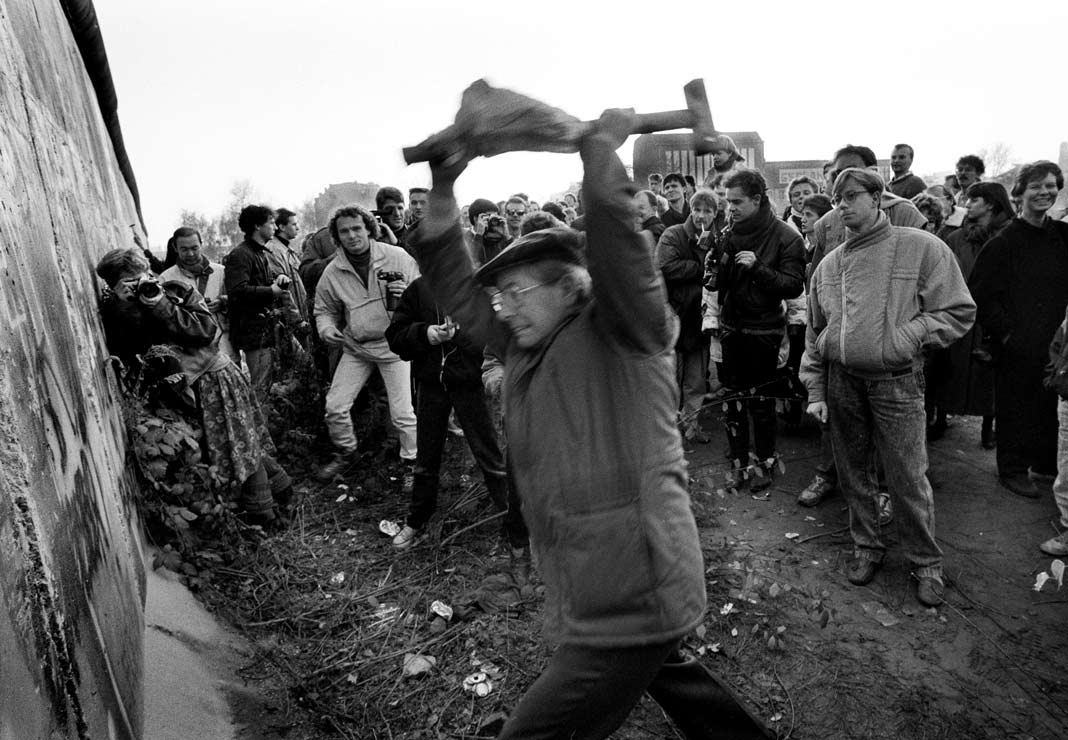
627	286
445	263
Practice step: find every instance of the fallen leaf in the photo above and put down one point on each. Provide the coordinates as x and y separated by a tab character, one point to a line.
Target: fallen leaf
792	535
714	647
416	664
342	487
389	528
341	498
442	609
734	632
774	591
777	717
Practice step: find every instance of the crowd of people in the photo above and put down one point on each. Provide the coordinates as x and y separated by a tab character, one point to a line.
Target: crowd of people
577	344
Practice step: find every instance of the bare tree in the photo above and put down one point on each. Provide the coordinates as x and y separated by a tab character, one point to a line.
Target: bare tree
996	158
241	194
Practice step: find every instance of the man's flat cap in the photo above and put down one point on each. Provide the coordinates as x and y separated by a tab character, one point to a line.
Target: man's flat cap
560	243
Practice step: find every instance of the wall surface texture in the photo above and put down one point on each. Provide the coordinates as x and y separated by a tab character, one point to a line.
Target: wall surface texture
71	568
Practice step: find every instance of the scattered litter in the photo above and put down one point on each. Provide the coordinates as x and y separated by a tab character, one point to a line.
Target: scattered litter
342	487
879	613
734	632
714	647
792	535
384	614
1040	580
727	609
351	532
777	717
416	664
389	528
478	683
810	518
352	678
337	579
442	609
1057	569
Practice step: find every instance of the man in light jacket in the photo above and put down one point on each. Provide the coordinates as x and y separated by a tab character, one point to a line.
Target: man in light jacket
875	304
353	305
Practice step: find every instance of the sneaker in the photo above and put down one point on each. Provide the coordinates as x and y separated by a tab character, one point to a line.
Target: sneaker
929	591
884	508
405	537
408	479
860	571
1020	484
339	466
1056	546
819	489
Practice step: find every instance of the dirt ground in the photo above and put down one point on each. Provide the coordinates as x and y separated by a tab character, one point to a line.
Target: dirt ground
332	611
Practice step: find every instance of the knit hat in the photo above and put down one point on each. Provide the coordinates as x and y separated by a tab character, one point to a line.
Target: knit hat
480	206
723	143
559	243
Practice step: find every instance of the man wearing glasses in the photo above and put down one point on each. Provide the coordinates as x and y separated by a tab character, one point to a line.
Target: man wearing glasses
828	233
590	400
514	210
875	305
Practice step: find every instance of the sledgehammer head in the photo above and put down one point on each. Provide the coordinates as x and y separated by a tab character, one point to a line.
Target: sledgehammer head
704	133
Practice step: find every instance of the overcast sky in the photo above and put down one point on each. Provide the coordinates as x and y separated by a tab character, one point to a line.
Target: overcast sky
296	95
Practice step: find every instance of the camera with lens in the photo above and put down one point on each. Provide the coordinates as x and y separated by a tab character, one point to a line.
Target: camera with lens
389	276
148	287
495	221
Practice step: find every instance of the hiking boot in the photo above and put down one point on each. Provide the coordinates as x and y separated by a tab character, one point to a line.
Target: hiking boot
339	466
1056	546
929	591
819	489
404	539
1020	484
884	508
860	571
408	479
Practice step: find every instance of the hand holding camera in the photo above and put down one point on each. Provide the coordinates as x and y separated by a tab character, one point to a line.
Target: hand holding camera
441	333
395	285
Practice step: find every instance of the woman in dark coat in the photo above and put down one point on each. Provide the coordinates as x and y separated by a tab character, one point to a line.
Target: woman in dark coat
969	388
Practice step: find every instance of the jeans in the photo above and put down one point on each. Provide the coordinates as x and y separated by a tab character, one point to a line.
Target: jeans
825	466
750	362
886	416
691	368
433	404
1060	485
261	373
349	378
586	693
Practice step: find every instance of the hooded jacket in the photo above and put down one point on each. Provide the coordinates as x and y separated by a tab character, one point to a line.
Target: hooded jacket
878	301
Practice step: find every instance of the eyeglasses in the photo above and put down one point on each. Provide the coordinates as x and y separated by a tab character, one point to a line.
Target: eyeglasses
511	295
510	212
848	197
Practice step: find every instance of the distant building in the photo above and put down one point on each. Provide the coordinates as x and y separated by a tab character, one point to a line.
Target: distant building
666	153
341	194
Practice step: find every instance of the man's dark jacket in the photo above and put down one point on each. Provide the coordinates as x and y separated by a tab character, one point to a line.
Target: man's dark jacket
248	280
451	364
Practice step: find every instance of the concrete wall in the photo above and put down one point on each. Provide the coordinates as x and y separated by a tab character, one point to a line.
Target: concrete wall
71	569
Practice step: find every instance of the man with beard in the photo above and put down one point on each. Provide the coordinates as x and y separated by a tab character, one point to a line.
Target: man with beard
352	311
876	303
904	184
1020	283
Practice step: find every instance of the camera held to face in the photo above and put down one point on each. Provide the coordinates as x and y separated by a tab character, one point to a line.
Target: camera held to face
148	287
390	276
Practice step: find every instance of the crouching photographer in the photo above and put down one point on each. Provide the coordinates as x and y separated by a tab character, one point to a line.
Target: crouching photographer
140	314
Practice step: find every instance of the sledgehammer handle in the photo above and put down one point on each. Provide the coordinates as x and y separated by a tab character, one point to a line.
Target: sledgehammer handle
651	123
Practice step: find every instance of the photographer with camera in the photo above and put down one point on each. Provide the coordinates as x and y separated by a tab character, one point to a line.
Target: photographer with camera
354	300
139	311
256	289
490	231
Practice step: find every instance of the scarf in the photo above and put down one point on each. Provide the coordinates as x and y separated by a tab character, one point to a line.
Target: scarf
878	232
977	233
749	234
